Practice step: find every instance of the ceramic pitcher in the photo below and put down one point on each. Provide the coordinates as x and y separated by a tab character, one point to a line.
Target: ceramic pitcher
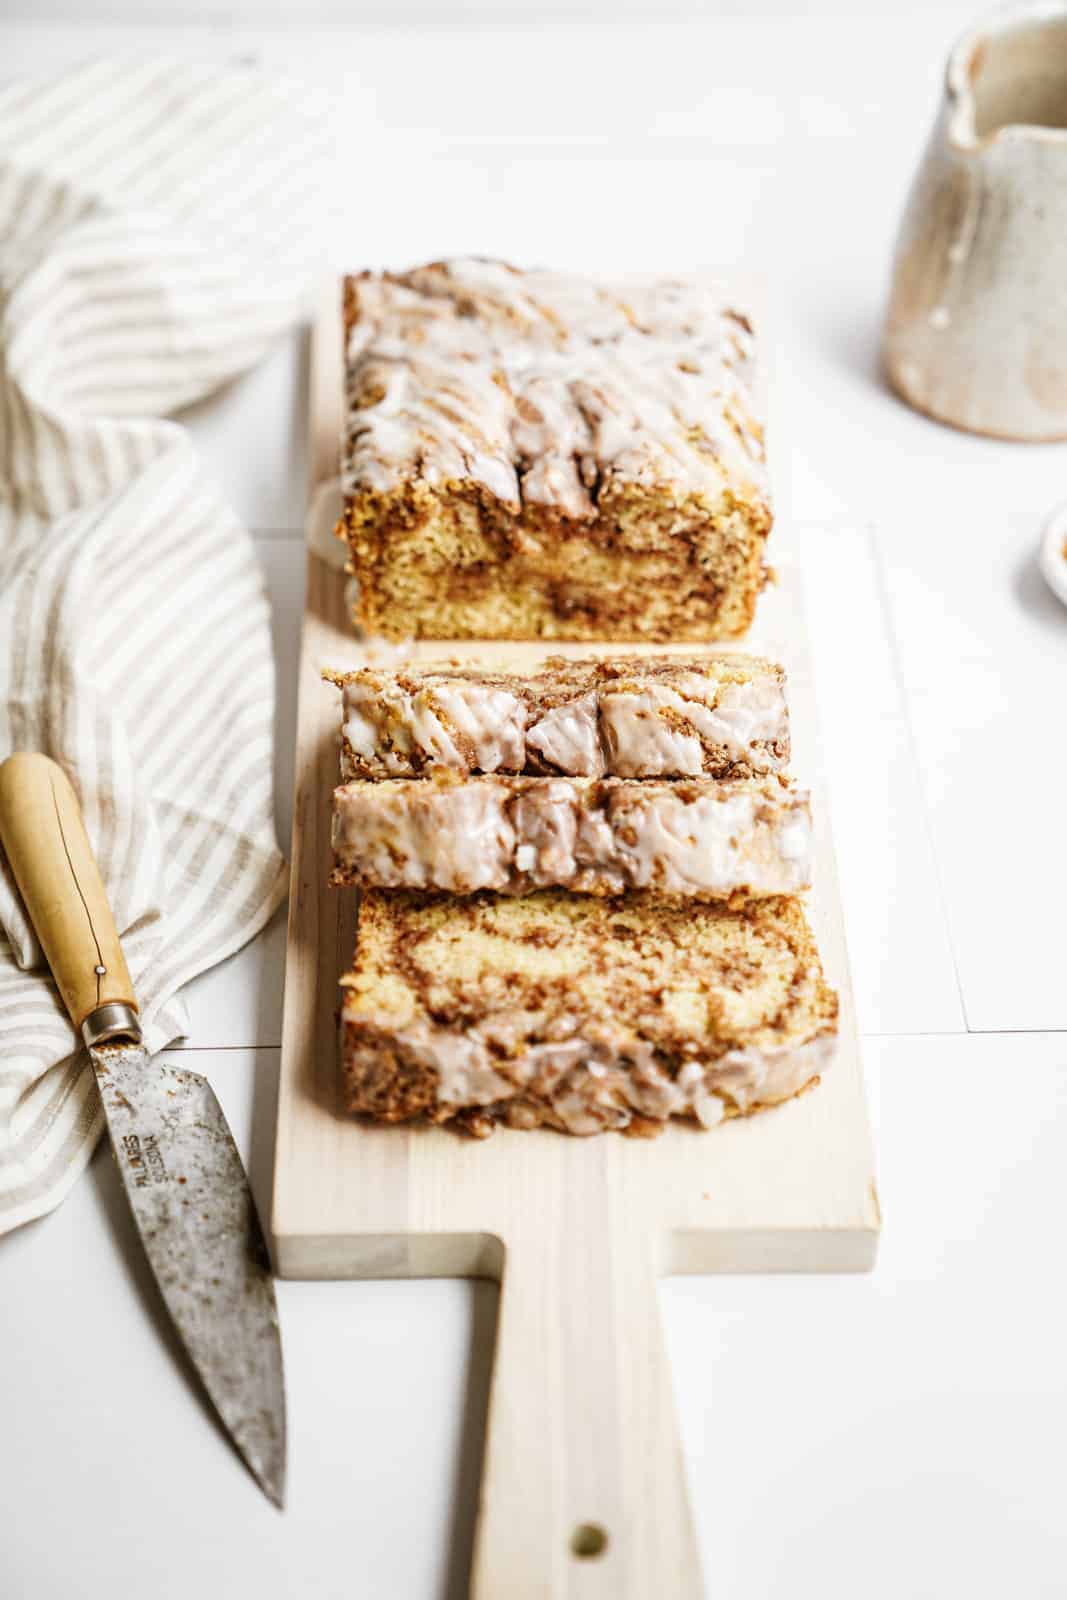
977	328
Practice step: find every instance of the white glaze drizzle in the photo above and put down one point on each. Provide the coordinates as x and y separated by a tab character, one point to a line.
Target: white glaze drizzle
537	385
462	836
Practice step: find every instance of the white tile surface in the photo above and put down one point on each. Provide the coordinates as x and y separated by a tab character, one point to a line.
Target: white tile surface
902	962
983	646
896	1435
893	1435
252	436
448	12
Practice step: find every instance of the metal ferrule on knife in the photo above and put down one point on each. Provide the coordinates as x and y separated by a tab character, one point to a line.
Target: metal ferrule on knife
114	1020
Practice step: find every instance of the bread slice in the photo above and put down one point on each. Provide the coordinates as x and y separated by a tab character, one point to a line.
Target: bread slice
580	1014
719	716
695	836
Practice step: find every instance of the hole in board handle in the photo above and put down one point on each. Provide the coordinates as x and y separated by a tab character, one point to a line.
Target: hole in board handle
589	1539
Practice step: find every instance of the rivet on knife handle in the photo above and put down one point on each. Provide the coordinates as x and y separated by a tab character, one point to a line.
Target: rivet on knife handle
52	861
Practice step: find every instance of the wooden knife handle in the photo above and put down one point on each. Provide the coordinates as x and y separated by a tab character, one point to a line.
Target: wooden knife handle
49	853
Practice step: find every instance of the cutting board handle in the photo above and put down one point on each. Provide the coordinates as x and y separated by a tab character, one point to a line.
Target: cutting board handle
583	1492
52	861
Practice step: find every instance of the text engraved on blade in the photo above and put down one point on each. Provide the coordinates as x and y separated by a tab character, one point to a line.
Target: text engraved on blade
145	1159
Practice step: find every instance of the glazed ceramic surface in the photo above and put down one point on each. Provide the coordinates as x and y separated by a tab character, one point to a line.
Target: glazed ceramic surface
976	333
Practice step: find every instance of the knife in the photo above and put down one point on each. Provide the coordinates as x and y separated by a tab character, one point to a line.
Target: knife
181	1170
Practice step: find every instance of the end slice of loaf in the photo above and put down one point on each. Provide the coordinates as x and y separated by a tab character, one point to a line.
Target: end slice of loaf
580	1014
544	455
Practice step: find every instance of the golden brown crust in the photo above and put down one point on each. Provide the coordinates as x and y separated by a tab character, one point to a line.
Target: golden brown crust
450	562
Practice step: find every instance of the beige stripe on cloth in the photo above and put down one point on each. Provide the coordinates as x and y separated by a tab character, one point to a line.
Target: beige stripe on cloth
145	258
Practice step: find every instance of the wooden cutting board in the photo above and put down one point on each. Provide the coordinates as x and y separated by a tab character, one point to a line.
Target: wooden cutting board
583	1490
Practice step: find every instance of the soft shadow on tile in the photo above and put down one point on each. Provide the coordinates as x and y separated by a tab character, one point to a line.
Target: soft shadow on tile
261	1143
1035	596
283	569
104	1181
485	1300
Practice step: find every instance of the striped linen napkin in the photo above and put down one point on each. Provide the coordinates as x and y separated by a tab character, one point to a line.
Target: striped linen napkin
157	225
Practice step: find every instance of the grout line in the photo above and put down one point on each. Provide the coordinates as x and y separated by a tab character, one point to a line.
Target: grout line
903	1033
193	1049
881	577
973	1033
1022	1033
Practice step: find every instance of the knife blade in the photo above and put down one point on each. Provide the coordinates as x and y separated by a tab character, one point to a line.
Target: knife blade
183	1177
